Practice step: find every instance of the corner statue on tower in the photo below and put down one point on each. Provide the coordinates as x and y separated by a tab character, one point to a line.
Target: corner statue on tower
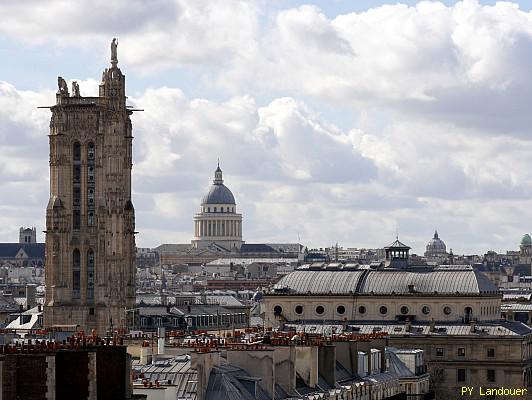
114	56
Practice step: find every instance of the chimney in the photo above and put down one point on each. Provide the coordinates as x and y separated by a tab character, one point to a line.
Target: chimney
161	334
408	325
473	326
203	362
259	363
145	353
327	363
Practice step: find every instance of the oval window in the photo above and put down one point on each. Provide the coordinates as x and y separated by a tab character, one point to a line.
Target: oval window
320	310
299	309
340	310
425	310
383	310
404	310
277	310
447	310
362	310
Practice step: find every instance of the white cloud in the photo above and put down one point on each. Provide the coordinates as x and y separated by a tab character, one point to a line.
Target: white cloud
446	143
152	35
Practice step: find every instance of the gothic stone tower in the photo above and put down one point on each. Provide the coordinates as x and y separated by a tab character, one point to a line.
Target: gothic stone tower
90	220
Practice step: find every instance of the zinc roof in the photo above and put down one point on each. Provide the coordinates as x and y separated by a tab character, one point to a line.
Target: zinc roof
440	281
385	281
320	282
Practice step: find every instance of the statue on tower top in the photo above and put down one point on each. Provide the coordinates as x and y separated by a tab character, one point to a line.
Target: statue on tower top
114	56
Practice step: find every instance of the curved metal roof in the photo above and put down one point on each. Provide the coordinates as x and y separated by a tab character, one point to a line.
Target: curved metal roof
218	194
320	282
440	281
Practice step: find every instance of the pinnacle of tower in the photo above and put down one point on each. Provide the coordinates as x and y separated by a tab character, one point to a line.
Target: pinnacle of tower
114	55
435	234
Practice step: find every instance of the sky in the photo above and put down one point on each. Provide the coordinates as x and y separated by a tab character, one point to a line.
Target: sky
334	121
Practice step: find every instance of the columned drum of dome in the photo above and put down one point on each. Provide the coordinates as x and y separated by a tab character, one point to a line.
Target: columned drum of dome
218	222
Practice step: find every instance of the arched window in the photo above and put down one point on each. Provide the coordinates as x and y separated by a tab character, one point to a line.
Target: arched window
76	266
468	314
90	274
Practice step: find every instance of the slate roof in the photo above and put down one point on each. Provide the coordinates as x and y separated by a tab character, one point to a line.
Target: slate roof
516	307
33	250
505	328
8	304
218	194
227	382
256	248
396	366
178	371
397	245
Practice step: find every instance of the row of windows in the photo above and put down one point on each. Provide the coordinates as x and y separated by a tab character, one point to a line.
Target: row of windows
383	310
461	352
461	375
222	209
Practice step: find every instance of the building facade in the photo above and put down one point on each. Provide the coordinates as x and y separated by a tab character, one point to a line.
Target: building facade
90	219
450	312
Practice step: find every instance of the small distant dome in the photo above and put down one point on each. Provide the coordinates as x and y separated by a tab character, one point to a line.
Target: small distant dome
257	296
435	246
526	240
218	193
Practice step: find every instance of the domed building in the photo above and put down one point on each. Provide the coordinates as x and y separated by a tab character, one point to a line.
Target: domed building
525	250
436	250
218	223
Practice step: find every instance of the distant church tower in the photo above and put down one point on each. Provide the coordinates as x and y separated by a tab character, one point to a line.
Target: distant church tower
90	220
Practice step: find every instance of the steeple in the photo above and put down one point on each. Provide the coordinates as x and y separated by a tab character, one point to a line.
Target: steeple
435	234
113	85
218	175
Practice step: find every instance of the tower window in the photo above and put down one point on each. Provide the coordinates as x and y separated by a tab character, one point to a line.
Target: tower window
90	274
76	219
76	152
75	273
